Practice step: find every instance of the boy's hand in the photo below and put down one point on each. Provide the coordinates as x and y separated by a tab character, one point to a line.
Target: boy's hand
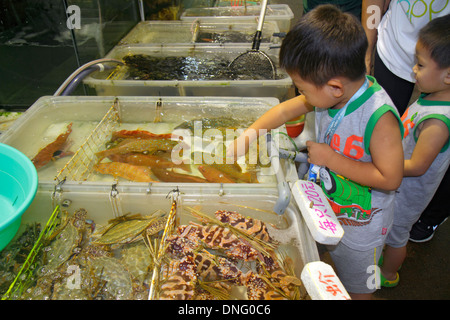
238	147
318	153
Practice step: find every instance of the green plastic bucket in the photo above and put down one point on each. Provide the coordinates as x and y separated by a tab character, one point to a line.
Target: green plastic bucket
18	187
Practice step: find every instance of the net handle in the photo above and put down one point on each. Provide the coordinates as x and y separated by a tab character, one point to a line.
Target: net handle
262	14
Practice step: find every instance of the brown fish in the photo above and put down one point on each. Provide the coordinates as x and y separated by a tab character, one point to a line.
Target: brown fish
235	171
125	170
141	134
138	145
171	176
214	175
148	160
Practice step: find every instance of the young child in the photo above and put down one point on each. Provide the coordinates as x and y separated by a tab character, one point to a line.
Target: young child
324	55
426	141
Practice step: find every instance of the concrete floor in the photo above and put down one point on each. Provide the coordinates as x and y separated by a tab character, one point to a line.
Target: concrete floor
424	274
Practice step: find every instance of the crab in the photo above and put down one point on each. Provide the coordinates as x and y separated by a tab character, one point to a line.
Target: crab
128	229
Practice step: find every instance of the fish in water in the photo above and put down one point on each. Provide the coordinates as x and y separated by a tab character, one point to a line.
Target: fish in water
148	160
141	134
125	170
137	145
171	176
220	123
235	171
214	175
54	150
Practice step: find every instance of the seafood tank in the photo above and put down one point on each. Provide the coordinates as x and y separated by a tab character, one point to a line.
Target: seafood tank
143	139
229	246
280	13
147	32
96	230
187	70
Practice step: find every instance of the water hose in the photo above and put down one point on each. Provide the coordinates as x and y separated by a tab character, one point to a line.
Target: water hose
74	79
284	192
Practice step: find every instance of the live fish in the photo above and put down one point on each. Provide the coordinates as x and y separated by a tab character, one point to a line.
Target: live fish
214	175
171	176
138	145
148	160
235	171
54	150
125	170
141	134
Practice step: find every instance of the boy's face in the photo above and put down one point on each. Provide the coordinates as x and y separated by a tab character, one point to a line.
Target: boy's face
319	97
429	77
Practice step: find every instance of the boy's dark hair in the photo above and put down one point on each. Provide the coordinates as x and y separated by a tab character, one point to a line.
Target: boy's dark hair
435	36
324	44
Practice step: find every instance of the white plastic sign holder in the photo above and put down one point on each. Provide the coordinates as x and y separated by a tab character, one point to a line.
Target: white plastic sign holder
317	212
322	283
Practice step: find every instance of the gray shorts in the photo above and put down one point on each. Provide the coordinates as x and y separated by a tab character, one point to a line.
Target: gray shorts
398	236
357	270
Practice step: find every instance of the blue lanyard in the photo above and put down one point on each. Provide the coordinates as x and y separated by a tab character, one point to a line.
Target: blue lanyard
341	113
332	126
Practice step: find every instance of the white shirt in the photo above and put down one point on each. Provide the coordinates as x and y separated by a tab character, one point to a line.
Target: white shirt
398	30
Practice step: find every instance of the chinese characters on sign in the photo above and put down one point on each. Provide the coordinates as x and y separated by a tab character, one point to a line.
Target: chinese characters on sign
319	205
322	283
331	286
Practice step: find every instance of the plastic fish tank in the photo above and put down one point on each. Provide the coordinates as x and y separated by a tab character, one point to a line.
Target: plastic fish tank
152	32
281	13
194	134
187	70
109	264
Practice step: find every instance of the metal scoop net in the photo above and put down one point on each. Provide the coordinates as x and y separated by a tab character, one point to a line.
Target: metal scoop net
255	64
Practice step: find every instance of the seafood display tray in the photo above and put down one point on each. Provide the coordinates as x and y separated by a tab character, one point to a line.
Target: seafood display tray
288	230
116	83
224	31
49	116
281	13
109	198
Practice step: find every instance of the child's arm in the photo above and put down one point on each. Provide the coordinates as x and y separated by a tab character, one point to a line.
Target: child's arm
386	169
272	119
432	137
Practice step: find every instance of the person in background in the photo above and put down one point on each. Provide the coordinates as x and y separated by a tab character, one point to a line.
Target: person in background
359	135
426	142
390	56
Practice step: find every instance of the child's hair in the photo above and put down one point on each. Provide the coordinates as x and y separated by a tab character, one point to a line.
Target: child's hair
435	37
324	44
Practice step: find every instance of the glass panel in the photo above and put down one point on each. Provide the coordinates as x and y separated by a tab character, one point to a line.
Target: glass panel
38	50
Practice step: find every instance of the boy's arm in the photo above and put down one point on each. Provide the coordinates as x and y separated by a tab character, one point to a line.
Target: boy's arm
432	138
272	119
386	169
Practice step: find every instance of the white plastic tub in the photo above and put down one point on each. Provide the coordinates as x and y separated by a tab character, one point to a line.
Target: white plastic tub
223	31
289	229
281	13
49	116
117	84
